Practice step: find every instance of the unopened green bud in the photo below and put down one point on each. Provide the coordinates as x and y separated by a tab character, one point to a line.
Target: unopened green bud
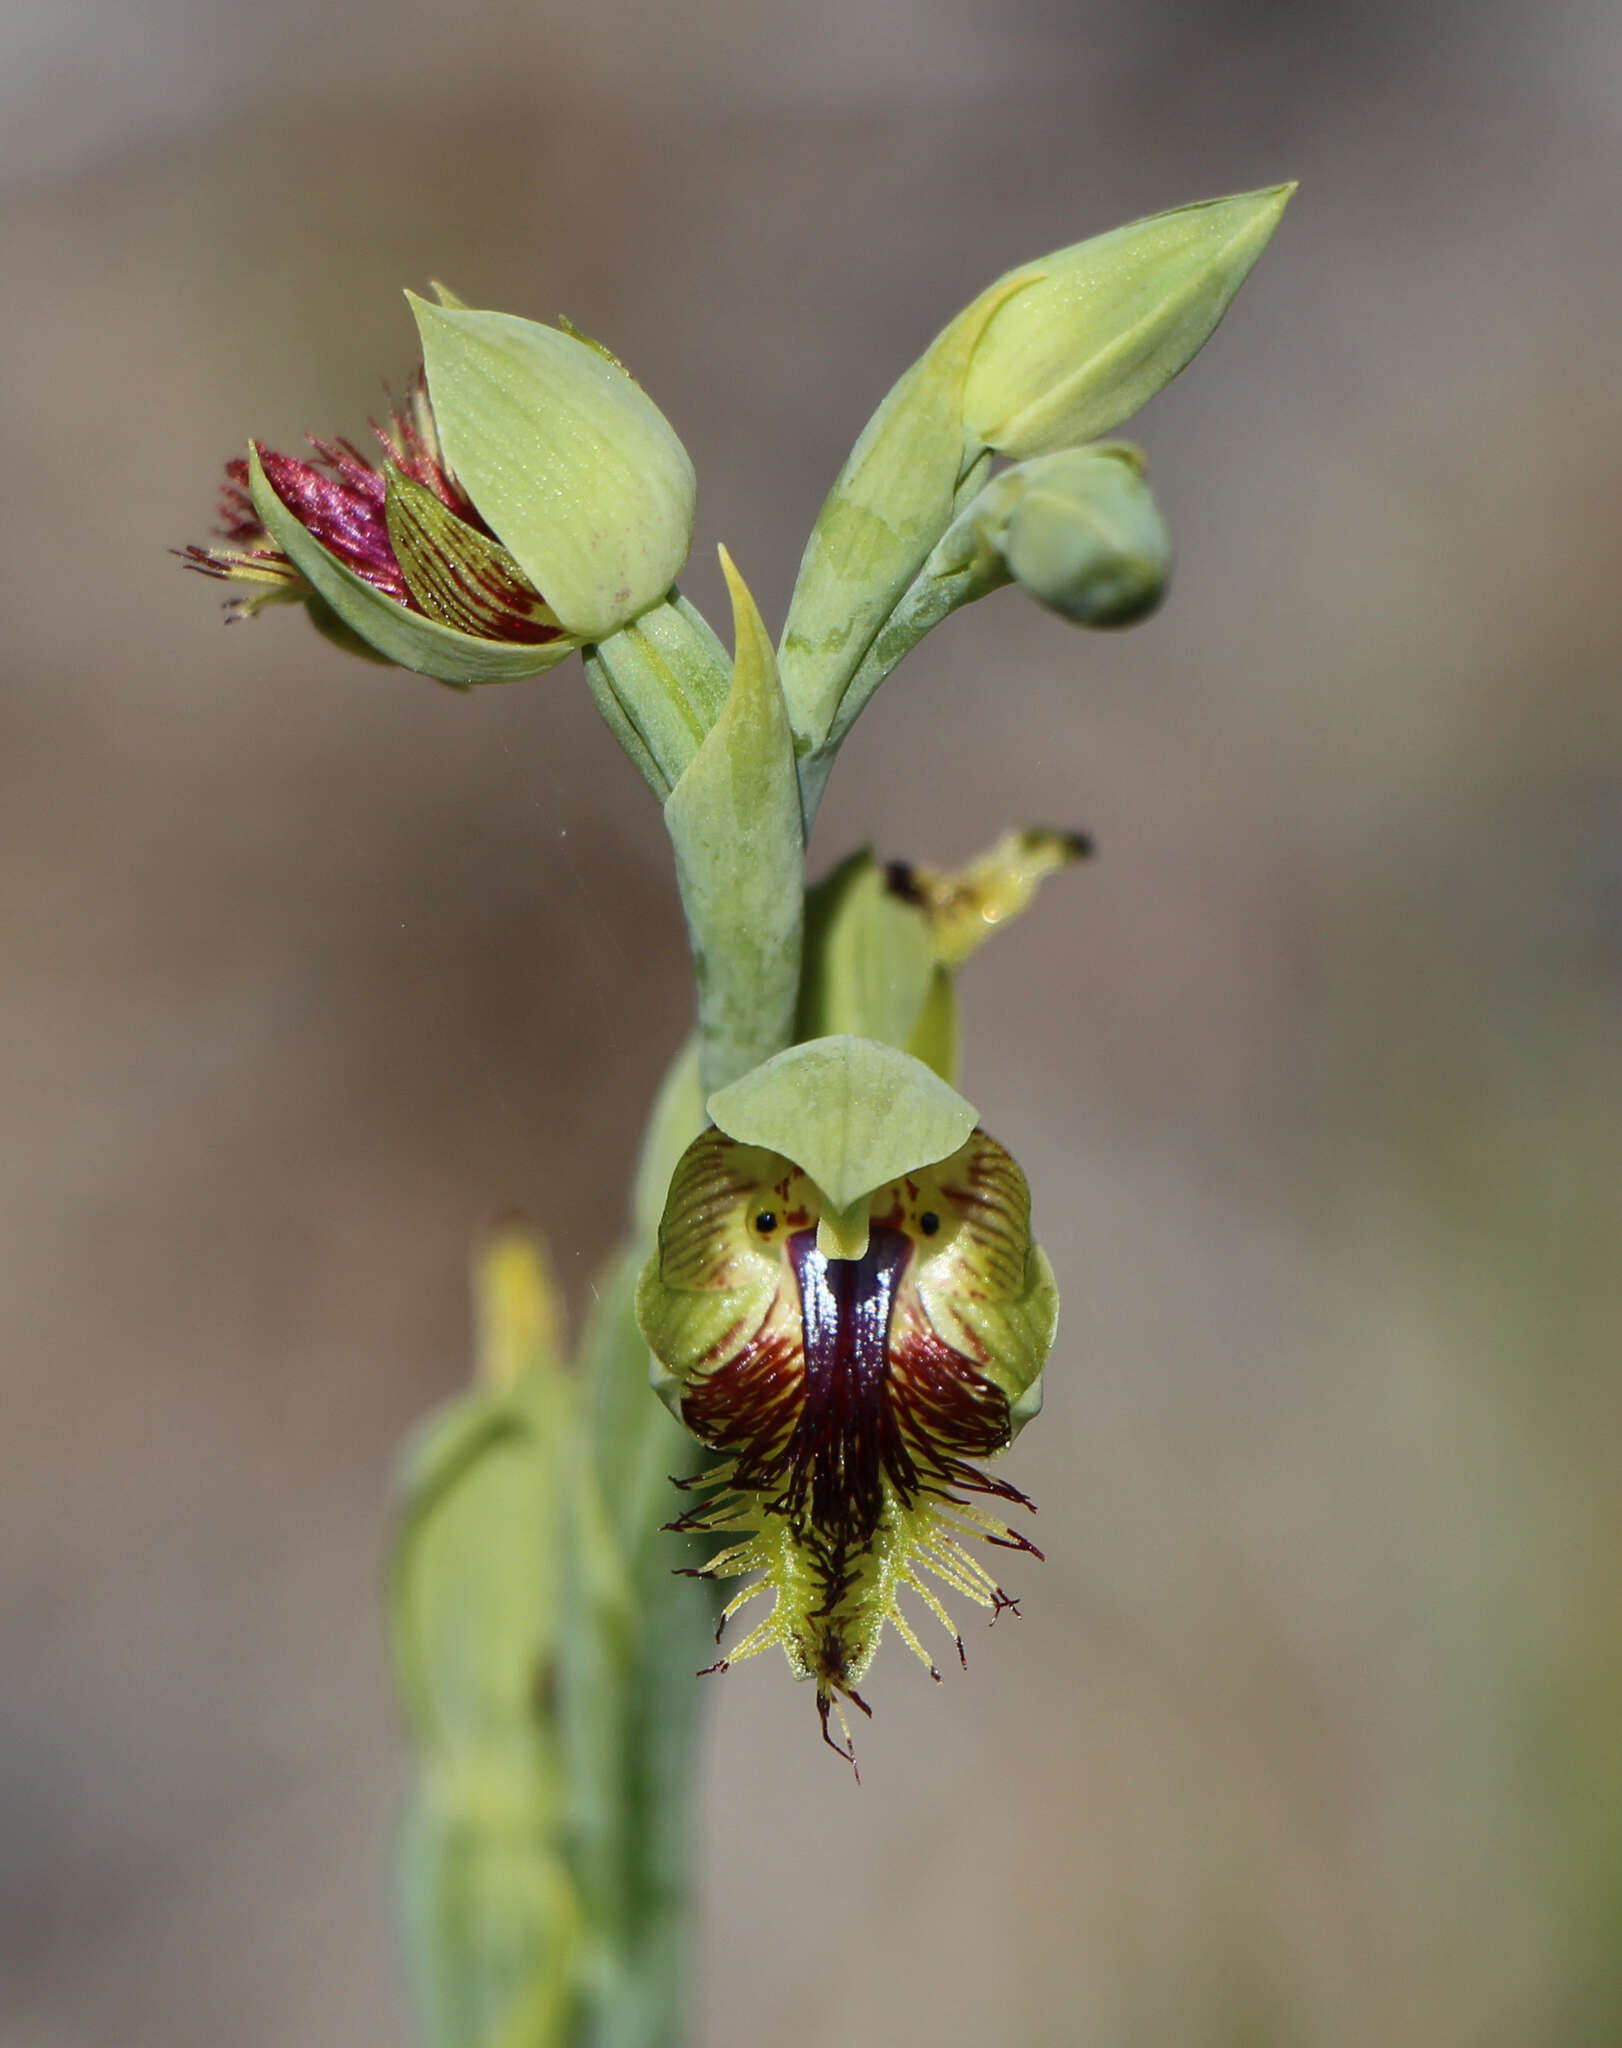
1052	355
1099	328
1082	533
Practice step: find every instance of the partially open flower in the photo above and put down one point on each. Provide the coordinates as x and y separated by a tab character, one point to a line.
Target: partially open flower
849	1368
402	525
530	500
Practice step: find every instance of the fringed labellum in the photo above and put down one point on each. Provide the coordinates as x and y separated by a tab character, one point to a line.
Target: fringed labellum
849	1398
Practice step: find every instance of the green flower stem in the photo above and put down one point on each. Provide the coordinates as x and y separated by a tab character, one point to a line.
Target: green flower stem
490	1907
636	1634
630	1705
959	569
1080	530
890	504
660	683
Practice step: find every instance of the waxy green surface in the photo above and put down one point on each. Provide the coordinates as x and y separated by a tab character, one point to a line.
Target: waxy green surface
1053	354
853	1113
734	822
574	467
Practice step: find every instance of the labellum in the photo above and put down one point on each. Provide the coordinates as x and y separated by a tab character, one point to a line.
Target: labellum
849	1398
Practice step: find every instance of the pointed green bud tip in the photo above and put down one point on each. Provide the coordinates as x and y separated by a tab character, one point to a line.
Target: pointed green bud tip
1082	533
847	1389
1099	328
572	466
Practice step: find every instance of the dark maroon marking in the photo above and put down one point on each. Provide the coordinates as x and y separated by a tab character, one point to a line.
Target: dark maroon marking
946	1406
403	443
747	1407
823	1424
824	1708
846	1438
902	882
816	1427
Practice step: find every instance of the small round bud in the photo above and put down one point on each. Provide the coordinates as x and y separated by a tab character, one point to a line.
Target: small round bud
1082	533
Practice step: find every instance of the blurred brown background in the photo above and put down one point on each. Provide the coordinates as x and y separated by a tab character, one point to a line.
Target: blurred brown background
1312	1729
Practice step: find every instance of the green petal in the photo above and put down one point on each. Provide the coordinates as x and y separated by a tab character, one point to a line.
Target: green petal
707	1289
1010	1336
869	963
568	460
397	634
457	574
1102	326
850	1112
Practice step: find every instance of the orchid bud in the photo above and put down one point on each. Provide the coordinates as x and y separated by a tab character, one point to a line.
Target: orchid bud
846	1306
1081	532
531	499
1052	355
1099	328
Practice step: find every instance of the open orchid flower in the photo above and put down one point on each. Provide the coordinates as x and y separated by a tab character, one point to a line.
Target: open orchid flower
849	1355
